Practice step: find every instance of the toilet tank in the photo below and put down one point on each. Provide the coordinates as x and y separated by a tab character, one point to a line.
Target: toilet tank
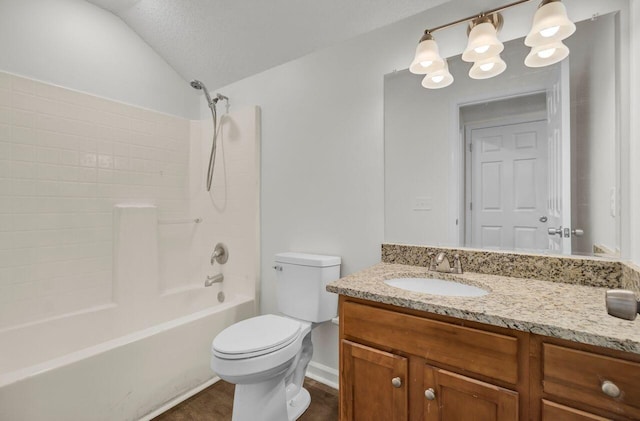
301	282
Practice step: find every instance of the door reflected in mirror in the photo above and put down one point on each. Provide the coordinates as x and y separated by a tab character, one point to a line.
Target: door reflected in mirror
528	160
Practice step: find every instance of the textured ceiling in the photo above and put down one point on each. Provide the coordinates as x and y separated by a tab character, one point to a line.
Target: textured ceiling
222	41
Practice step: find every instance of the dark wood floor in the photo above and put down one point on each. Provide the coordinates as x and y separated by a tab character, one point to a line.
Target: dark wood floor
216	402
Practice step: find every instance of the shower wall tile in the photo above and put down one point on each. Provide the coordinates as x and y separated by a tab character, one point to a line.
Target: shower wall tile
66	158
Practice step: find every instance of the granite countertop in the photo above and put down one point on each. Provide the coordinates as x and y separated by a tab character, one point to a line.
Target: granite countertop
562	310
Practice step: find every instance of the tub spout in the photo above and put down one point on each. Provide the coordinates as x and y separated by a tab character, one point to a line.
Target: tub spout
215	279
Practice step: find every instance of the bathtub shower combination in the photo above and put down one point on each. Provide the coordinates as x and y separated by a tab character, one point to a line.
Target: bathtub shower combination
106	314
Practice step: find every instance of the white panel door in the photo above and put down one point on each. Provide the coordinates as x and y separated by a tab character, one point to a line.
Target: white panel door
559	145
508	193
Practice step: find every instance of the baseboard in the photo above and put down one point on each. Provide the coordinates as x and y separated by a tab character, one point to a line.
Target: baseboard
323	374
179	399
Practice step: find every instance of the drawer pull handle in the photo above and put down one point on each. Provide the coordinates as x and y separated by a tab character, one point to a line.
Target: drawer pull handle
610	389
430	394
396	382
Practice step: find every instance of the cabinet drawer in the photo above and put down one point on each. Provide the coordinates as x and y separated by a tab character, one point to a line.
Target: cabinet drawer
552	411
579	376
472	350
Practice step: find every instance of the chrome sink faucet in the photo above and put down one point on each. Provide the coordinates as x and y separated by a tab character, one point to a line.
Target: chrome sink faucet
440	263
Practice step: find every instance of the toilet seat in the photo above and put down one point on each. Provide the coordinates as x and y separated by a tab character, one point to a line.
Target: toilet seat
255	337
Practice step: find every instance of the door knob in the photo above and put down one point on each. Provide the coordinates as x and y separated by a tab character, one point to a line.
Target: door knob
577	232
396	382
555	231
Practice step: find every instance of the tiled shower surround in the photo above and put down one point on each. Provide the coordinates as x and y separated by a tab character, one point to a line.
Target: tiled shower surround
66	158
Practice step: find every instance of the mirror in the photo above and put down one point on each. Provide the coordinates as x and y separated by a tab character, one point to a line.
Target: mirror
528	160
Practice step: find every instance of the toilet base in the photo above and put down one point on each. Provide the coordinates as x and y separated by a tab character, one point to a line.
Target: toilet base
299	404
267	401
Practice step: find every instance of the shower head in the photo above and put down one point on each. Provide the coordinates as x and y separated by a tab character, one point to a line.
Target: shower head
196	84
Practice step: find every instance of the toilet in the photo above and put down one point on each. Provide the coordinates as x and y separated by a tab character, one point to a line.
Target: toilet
266	357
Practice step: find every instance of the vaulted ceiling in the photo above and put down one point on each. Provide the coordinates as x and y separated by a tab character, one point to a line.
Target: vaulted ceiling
223	41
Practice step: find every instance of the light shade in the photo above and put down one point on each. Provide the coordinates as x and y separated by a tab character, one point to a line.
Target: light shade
550	24
440	79
488	68
427	58
546	55
483	43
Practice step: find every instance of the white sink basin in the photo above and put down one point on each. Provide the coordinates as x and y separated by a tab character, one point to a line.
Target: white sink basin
436	287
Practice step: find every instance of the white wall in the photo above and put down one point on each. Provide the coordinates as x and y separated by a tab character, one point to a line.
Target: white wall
634	152
75	44
322	143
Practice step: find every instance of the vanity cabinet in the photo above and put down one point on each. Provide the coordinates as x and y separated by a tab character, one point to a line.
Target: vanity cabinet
584	382
403	364
451	396
377	384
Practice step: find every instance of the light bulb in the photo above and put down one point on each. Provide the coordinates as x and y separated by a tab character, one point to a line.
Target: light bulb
549	32
487	66
426	63
481	49
438	79
546	53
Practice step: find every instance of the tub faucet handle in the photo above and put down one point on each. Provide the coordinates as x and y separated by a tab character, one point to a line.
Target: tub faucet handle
220	254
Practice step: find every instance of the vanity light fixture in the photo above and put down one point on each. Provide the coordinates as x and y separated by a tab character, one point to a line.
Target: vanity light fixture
439	79
550	26
427	58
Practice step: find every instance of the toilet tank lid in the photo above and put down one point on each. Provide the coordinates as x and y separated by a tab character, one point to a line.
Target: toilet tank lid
305	259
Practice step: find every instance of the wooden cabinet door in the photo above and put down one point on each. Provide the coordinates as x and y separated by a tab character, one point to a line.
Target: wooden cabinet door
373	384
552	411
458	398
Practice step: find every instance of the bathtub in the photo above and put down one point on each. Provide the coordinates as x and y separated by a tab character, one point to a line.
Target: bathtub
58	374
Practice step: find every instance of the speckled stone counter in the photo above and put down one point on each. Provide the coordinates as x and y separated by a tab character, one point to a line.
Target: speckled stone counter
593	271
631	277
557	309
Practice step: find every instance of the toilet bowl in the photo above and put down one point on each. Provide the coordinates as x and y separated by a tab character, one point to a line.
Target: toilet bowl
267	356
258	355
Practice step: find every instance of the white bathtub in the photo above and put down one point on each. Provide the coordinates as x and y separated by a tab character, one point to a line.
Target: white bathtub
125	378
